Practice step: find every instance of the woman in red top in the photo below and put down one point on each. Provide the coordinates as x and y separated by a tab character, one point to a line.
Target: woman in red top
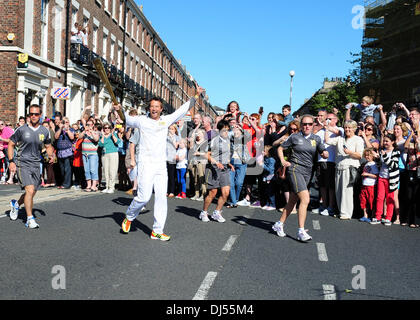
253	125
79	176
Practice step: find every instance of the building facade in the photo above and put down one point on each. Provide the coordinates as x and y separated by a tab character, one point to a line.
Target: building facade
38	57
390	69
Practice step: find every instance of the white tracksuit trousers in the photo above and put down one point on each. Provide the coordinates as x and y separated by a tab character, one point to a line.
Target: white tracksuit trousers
154	177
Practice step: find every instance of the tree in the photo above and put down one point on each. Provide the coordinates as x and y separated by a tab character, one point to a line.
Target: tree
341	94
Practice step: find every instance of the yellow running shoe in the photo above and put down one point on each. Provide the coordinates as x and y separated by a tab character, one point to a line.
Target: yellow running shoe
161	237
126	226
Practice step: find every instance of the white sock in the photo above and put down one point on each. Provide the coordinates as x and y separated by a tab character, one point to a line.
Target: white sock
301	230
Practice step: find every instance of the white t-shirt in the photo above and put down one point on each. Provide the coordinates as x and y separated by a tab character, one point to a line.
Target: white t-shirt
384	173
329	148
371	168
343	160
76	38
182	164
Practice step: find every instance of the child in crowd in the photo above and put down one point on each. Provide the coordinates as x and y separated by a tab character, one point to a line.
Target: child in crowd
181	168
389	177
370	176
267	176
366	108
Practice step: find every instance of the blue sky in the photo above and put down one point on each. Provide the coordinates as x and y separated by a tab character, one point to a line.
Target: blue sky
243	50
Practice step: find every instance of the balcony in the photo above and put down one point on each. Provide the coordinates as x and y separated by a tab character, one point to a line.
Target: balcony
82	56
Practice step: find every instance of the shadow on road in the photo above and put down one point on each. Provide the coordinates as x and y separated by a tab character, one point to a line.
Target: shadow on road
122	201
192	212
118	218
262	224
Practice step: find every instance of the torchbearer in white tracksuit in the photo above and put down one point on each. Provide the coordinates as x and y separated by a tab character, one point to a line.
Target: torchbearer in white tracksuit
151	162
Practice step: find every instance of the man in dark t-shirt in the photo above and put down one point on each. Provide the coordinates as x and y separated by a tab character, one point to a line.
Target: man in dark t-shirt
29	138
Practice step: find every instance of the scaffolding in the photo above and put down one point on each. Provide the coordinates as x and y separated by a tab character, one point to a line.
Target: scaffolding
390	67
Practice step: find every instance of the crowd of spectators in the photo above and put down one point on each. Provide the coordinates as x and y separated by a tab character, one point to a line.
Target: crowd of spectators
372	172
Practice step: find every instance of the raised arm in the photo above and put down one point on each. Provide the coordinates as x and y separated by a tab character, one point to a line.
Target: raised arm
182	111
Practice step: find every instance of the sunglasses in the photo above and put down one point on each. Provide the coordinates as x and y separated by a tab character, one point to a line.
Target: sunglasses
293	129
107	128
307	124
34	114
369	129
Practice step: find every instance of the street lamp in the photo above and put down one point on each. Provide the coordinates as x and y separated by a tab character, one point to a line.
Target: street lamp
291	74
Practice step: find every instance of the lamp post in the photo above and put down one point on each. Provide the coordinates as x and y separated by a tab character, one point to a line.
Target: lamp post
291	74
172	87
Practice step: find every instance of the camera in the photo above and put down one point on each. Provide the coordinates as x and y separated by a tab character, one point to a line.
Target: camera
118	126
328	122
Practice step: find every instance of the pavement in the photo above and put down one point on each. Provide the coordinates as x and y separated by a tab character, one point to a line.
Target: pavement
242	259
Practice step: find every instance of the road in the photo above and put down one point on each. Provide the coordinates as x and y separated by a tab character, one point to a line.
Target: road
80	241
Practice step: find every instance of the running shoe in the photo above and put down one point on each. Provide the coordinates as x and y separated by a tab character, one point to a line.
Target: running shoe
126	226
31	223
200	198
204	216
217	216
244	203
303	236
279	229
161	237
323	211
105	191
387	223
268	208
375	221
256	204
14	210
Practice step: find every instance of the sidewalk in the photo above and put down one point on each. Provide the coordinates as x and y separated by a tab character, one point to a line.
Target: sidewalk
9	192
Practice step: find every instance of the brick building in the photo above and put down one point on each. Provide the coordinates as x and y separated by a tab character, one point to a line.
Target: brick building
138	63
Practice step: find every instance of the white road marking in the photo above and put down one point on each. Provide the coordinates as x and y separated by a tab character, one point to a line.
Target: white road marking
316	224
322	252
329	292
205	286
229	243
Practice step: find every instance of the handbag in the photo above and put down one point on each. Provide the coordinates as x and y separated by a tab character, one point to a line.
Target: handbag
354	175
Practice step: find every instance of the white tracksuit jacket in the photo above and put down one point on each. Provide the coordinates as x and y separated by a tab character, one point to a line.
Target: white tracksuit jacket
151	163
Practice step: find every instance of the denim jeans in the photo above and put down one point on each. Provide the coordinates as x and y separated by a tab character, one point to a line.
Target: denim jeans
91	163
236	181
65	168
182	185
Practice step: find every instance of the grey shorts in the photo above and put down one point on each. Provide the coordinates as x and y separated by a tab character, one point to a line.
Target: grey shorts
299	178
29	175
217	178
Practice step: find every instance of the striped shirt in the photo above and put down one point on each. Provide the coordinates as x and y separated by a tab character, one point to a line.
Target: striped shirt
89	145
389	165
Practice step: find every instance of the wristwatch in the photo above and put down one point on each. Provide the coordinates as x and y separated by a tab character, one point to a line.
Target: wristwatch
12	160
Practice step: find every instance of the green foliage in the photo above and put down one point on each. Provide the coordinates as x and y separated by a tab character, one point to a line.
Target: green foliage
341	94
338	97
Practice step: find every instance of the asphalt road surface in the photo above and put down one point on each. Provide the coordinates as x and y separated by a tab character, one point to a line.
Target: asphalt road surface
79	252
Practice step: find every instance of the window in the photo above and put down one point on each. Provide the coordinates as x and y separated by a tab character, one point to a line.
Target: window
142	38
114	8
104	45
111	57
119	57
121	13
95	39
57	34
44	28
133	23
106	5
